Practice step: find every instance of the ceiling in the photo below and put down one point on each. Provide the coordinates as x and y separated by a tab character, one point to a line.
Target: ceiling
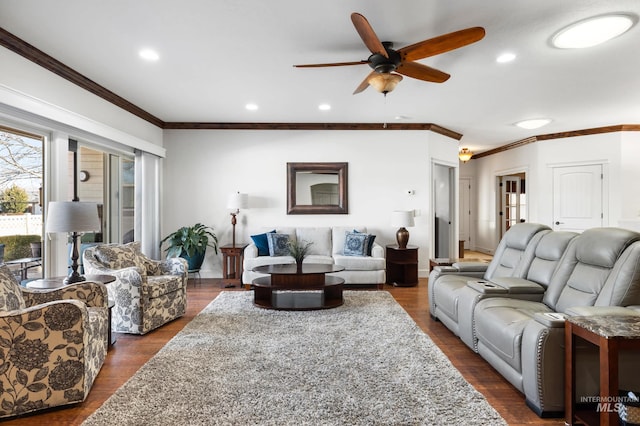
217	56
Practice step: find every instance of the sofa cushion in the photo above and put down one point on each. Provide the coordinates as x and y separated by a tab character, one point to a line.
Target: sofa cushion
252	262
119	256
500	323
278	244
355	244
160	285
359	263
10	293
262	243
319	237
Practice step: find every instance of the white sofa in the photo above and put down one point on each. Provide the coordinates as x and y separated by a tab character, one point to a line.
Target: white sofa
327	248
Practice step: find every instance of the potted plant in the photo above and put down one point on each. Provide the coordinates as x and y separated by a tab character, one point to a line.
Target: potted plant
190	243
298	250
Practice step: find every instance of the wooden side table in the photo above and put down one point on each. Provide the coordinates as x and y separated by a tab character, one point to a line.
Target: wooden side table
402	266
610	333
232	258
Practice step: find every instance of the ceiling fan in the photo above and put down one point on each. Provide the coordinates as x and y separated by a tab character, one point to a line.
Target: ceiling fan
388	63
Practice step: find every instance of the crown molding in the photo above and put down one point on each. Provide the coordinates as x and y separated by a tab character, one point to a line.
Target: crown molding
37	56
560	135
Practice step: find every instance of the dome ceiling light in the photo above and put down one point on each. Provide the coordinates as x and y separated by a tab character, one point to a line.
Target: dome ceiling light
533	124
593	31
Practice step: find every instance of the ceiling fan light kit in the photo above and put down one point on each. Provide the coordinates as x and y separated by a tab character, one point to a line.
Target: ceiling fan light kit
388	63
384	82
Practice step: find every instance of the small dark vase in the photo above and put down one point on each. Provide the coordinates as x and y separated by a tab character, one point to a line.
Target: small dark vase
298	265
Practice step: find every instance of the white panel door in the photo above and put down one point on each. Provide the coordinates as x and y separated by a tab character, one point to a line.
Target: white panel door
577	197
464	212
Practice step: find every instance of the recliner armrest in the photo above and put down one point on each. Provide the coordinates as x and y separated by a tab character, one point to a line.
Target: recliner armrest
486	287
470	266
518	285
550	319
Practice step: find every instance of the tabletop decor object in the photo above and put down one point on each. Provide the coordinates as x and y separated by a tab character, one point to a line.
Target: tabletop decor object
75	218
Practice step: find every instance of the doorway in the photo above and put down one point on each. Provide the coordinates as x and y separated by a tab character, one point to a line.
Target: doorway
512	202
444	238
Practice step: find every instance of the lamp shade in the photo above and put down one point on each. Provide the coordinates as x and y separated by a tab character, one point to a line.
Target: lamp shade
402	218
238	201
72	216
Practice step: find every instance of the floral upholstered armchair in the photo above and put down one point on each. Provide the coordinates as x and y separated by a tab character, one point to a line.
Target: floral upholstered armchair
147	293
52	343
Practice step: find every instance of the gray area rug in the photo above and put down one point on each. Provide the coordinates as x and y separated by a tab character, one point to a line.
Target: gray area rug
364	363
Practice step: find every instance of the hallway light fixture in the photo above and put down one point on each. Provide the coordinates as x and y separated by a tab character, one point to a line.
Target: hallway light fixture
465	155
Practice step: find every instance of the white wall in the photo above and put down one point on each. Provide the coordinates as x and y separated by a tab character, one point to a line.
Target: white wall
618	152
204	166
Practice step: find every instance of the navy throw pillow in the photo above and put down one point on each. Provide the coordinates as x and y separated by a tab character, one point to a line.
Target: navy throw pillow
262	243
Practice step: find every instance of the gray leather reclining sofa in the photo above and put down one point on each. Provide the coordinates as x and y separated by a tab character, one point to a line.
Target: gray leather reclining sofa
512	310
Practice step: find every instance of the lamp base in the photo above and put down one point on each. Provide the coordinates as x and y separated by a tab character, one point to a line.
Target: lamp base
402	236
74	278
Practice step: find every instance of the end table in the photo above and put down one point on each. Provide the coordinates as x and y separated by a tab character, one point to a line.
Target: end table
232	259
402	266
610	333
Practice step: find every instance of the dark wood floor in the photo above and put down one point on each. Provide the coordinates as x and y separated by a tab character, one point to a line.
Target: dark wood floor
131	352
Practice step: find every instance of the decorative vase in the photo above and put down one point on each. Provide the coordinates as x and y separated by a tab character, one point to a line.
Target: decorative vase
299	265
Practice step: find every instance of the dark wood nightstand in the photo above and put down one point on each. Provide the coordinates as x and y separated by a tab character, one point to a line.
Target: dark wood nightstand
402	266
232	258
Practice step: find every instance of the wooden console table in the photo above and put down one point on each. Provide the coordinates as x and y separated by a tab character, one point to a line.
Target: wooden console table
610	333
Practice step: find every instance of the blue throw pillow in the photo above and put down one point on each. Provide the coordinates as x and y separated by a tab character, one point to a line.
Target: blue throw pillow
355	244
370	239
278	244
262	243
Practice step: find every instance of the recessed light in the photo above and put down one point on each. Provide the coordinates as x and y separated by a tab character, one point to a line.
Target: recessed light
505	57
402	117
592	31
534	123
251	107
149	55
324	107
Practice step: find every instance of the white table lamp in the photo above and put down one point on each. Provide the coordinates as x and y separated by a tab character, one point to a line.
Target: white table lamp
76	218
402	219
236	202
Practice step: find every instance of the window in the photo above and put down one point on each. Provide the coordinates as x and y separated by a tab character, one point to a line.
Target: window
21	189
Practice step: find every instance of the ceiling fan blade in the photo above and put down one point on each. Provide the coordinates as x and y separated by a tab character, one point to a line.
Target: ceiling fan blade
334	64
364	84
422	72
441	44
367	34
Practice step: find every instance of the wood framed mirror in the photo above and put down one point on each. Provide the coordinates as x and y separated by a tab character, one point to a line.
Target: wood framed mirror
317	188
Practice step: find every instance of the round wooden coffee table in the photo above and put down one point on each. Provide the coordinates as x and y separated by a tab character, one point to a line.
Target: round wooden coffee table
292	289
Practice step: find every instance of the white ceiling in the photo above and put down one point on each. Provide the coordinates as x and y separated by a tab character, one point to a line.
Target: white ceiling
216	56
